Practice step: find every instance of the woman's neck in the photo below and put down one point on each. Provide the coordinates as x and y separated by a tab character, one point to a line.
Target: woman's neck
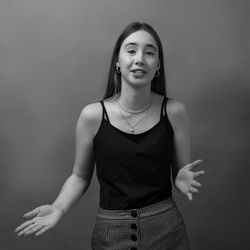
135	98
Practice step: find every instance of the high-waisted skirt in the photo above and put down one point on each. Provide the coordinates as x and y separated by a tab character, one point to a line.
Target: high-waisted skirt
158	226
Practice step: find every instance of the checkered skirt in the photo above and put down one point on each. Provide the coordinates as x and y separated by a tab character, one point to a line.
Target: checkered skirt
158	226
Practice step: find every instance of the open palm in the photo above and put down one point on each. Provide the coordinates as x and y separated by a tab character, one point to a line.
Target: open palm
185	180
41	219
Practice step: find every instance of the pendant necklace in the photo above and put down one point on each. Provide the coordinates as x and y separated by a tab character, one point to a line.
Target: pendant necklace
133	112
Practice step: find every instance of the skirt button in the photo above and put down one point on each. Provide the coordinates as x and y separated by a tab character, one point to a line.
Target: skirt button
133	237
133	226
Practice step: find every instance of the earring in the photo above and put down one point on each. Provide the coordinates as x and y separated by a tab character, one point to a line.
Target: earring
118	69
157	73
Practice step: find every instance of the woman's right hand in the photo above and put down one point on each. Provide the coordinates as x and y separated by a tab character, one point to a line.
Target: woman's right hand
41	218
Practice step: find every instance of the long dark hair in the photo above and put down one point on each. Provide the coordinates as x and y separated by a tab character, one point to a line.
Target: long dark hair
158	84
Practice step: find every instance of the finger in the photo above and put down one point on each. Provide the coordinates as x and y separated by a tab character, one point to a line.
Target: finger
24	225
32	213
194	190
195	164
199	173
189	196
196	184
34	230
23	232
41	231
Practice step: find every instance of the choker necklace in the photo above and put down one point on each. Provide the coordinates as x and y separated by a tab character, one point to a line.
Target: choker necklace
134	111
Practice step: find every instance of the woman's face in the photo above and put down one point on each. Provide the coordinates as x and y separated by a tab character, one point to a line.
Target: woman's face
138	58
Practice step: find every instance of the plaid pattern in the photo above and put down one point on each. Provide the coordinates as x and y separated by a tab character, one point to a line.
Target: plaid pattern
155	227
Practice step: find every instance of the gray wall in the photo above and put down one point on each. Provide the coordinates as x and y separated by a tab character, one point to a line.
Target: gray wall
54	58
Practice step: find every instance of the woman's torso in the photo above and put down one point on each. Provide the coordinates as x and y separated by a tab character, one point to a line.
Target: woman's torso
134	169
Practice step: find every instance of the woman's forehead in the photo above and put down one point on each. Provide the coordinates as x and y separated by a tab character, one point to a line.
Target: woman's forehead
140	37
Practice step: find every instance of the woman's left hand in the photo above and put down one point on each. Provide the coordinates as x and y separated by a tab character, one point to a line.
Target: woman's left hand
185	180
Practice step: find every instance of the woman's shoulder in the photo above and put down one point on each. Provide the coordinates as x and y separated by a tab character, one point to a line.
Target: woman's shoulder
92	111
91	115
176	111
173	106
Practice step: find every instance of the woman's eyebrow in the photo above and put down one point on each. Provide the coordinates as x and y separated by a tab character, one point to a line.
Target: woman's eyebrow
148	45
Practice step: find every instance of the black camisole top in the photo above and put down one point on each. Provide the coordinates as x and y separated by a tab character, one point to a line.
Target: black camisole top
133	170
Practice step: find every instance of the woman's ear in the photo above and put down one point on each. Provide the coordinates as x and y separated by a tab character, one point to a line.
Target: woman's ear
158	65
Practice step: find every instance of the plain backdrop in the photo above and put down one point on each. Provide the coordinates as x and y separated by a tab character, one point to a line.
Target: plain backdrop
54	60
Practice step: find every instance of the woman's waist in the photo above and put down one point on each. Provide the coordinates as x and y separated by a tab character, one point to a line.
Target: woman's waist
131	213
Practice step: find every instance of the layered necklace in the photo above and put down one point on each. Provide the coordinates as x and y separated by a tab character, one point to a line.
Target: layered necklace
133	112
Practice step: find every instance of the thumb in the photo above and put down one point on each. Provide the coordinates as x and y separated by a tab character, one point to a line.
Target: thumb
32	213
195	164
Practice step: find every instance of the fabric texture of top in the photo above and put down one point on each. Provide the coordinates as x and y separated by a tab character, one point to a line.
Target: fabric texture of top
133	170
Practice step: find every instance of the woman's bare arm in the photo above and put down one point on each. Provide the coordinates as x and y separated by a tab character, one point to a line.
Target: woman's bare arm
77	184
182	143
46	217
182	167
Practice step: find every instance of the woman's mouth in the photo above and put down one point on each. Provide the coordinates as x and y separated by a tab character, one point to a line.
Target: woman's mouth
138	72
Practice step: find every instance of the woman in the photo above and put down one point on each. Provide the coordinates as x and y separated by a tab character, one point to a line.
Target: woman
137	137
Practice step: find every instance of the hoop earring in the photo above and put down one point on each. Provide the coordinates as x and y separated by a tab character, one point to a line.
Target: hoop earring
117	68
157	73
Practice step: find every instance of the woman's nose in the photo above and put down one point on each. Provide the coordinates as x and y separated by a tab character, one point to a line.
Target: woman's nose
139	59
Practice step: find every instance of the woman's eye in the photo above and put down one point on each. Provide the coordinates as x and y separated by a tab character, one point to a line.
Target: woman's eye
150	53
131	51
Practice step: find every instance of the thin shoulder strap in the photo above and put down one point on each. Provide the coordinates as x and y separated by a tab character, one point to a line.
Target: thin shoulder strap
164	106
104	114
